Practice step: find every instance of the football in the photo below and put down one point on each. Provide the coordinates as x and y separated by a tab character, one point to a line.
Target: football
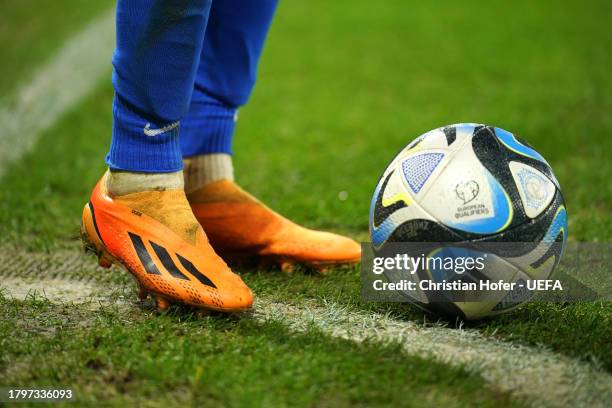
471	189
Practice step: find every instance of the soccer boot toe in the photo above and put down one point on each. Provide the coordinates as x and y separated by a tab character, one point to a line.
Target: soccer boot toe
241	227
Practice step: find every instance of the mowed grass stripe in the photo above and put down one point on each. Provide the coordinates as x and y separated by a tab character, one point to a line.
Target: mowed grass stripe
33	31
59	85
579	330
532	374
131	356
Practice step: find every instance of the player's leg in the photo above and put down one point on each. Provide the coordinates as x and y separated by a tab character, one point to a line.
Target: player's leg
238	225
138	214
232	46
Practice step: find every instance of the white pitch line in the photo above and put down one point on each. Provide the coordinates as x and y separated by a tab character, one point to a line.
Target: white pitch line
71	75
535	375
54	290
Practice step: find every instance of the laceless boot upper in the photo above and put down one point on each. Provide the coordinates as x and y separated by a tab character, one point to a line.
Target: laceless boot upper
238	224
155	236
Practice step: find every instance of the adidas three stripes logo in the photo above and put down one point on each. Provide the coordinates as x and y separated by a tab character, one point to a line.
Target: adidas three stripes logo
166	260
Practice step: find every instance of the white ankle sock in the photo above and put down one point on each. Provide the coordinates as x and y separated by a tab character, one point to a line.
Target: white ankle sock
119	183
206	168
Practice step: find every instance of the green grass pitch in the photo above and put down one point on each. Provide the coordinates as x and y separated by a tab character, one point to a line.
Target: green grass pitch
342	87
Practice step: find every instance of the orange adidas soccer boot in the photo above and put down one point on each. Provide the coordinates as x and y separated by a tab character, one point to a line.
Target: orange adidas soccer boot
154	235
241	228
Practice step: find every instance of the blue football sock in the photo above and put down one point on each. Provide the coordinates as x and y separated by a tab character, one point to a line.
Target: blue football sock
226	75
159	43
